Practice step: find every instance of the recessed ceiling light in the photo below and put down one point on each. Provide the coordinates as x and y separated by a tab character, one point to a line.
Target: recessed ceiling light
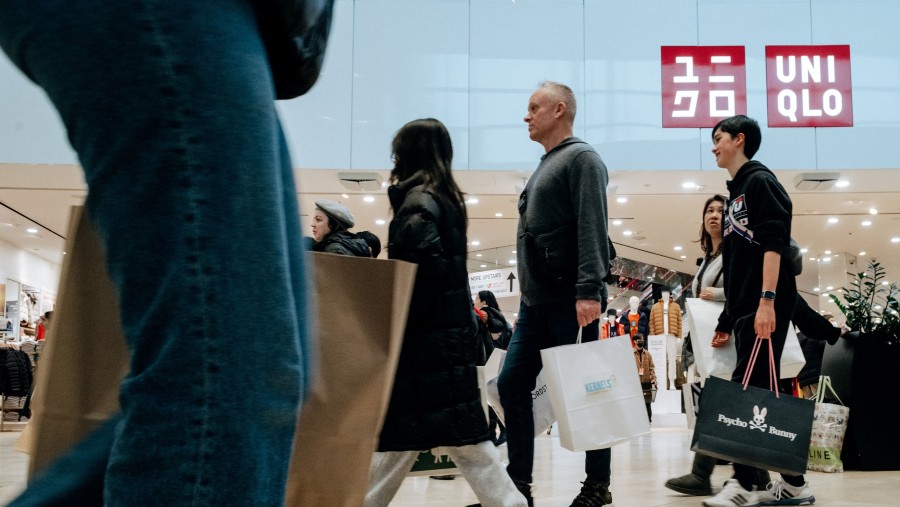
380	221
617	222
827	252
688	185
815	289
832	220
498	215
684	256
345	196
862	254
830	287
621	200
895	240
475	242
483	265
369	198
677	248
812	259
884	282
877	307
477	255
866	223
873	211
512	261
629	233
513	251
826	259
31	230
472	200
842	183
804	250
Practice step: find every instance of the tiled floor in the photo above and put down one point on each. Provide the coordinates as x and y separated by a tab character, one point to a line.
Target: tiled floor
639	469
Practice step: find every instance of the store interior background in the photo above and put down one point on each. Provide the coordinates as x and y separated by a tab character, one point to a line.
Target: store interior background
473	65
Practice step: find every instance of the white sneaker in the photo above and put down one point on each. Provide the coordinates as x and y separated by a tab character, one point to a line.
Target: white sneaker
779	492
733	495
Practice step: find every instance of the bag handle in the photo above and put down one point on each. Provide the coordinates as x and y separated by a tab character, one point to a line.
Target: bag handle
825	383
773	382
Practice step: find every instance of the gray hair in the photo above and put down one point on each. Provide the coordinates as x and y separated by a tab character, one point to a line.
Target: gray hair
564	94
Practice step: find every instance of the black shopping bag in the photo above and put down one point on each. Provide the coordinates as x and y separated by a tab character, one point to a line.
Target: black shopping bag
753	427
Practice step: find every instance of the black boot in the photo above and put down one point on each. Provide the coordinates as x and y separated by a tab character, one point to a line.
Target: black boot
697	482
593	494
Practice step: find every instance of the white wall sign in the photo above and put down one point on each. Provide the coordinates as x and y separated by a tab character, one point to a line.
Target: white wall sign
502	282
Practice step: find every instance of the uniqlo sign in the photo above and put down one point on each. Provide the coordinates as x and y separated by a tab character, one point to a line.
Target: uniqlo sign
702	85
809	86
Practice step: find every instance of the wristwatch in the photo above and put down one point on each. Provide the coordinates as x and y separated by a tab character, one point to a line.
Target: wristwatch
768	294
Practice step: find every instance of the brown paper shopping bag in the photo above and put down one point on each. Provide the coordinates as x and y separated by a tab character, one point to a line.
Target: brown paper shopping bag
362	304
362	307
70	400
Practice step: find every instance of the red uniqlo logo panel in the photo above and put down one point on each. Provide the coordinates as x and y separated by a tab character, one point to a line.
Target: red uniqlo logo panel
809	86
702	85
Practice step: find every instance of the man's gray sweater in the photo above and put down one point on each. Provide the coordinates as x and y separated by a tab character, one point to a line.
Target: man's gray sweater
565	200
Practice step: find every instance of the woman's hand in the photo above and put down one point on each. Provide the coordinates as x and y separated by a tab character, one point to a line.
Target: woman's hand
720	339
706	294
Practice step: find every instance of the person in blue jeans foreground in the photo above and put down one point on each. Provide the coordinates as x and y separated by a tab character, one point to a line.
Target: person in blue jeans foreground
760	289
563	255
170	107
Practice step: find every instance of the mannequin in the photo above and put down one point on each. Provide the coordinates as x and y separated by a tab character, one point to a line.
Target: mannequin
665	319
632	319
610	327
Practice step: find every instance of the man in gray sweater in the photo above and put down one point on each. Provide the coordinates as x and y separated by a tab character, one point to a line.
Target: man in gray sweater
563	256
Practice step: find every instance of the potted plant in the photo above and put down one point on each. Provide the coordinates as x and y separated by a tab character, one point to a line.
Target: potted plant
862	368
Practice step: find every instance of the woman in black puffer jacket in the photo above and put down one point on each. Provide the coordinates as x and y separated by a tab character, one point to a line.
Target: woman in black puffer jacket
435	399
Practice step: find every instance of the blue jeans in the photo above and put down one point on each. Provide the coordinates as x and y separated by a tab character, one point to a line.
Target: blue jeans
170	107
539	327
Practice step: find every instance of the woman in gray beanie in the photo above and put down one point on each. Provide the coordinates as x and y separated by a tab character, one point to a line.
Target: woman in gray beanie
331	222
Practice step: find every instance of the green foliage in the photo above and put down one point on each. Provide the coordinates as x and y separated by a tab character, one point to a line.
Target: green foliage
871	307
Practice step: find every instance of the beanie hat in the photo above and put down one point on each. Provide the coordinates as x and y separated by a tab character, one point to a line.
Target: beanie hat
337	212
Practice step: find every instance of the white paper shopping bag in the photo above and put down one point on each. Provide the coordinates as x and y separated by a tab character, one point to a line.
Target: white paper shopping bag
543	408
596	393
703	317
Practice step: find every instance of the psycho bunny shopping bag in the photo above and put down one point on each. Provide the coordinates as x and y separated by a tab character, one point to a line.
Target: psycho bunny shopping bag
596	393
753	427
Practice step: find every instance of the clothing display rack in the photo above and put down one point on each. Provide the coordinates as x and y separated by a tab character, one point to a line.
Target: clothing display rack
17	362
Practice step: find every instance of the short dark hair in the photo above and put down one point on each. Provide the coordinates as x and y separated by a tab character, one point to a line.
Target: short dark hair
372	240
741	124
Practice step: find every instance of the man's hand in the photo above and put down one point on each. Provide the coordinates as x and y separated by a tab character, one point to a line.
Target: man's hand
587	311
764	323
720	339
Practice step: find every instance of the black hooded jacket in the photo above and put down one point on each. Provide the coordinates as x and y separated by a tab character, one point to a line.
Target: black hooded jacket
342	243
435	400
757	220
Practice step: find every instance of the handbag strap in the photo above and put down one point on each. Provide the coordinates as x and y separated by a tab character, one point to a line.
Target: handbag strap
773	382
825	383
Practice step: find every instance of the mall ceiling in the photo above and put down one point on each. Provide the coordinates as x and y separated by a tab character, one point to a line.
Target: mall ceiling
659	209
